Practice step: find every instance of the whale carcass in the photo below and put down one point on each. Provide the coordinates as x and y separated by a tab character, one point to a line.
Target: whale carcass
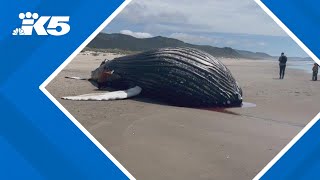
178	76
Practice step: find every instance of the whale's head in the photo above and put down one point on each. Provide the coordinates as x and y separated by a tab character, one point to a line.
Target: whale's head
103	77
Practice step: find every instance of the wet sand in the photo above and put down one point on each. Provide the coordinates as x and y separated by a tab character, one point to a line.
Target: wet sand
156	141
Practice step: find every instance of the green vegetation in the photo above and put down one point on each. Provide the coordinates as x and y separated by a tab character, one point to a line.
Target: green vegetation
125	44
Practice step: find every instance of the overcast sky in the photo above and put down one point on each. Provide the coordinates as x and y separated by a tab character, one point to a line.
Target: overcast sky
232	23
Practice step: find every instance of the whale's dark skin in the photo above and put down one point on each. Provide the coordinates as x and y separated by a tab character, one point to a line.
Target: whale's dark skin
180	76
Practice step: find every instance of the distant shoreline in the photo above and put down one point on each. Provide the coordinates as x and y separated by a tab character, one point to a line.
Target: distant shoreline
294	64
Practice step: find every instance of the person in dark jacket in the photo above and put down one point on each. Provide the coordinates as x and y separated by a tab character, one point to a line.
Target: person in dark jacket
282	64
315	72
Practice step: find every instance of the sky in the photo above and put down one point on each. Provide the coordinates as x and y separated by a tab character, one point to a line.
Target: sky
223	23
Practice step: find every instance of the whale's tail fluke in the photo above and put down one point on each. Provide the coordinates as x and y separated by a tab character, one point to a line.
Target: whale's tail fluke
107	96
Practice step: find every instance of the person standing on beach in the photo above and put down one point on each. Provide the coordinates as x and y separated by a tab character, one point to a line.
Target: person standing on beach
315	72
282	65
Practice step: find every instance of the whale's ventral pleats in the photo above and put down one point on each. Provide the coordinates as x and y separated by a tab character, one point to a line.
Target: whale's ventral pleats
179	76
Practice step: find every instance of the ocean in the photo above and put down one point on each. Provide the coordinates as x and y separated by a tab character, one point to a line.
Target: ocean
302	65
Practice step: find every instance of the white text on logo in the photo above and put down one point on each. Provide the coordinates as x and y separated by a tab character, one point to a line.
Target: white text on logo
57	26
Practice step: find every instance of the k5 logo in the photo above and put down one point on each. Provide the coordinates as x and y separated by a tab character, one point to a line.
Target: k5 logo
57	25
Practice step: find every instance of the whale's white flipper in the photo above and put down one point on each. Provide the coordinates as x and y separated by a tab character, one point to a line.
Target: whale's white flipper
77	78
106	96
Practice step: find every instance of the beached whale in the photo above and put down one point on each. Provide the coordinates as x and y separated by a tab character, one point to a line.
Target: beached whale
178	76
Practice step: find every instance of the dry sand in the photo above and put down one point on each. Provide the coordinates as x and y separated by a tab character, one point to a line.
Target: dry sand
154	141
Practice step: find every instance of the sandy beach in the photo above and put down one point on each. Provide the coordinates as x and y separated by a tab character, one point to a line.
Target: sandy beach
156	141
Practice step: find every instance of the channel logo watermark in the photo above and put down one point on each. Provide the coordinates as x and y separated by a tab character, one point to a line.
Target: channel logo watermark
32	22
